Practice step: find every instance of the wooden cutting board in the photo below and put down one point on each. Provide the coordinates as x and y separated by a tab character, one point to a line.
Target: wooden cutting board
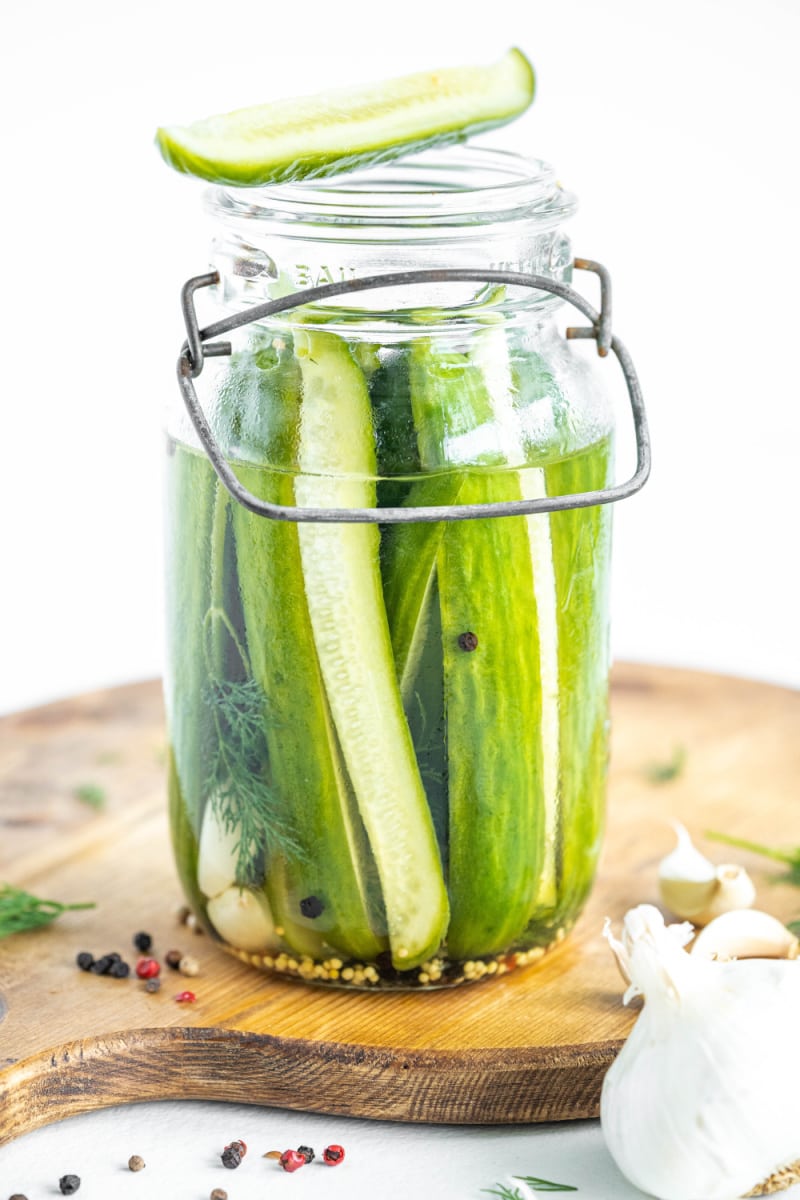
531	1046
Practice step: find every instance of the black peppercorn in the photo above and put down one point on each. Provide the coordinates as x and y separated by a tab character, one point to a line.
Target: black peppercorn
231	1158
84	960
152	985
69	1184
468	641
142	941
311	906
102	966
307	1153
119	970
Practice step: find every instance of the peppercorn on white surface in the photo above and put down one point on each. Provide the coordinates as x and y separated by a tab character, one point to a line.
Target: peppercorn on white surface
181	1144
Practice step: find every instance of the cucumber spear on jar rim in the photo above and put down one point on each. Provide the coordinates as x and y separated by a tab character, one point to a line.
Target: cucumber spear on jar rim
357	636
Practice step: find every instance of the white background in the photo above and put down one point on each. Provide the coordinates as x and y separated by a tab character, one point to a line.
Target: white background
677	126
675	123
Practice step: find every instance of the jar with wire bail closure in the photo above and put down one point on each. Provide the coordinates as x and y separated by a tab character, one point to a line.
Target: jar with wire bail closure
388	558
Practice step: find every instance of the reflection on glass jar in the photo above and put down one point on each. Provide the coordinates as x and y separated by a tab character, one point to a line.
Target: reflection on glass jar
389	742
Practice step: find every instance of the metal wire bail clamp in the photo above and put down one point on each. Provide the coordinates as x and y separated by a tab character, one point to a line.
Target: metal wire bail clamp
199	345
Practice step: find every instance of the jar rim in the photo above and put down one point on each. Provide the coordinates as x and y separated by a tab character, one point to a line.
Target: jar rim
460	185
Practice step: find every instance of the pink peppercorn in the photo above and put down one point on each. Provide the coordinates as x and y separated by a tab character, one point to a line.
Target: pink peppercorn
292	1160
333	1155
147	968
186	997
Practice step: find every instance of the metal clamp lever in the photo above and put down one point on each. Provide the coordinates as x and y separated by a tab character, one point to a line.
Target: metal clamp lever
199	344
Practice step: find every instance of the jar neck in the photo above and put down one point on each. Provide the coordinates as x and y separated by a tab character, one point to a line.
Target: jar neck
463	207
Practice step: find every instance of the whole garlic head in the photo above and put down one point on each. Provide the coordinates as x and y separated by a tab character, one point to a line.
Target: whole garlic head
701	1103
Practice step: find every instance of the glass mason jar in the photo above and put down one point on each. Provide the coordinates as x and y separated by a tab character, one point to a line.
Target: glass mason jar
389	741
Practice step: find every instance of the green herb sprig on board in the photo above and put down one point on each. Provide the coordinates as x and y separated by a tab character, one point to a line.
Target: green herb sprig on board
533	1182
669	769
21	911
790	858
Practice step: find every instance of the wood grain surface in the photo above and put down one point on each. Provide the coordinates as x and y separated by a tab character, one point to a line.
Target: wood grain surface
531	1046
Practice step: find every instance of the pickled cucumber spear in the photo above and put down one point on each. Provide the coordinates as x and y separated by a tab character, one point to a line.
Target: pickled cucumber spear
341	574
332	858
492	682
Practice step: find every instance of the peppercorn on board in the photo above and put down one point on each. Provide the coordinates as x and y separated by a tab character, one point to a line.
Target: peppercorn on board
531	1046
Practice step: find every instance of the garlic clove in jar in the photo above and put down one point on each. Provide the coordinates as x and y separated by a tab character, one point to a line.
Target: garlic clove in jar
687	880
745	934
701	1102
243	918
217	854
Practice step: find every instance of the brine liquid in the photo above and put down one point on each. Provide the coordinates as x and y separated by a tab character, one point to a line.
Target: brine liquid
506	704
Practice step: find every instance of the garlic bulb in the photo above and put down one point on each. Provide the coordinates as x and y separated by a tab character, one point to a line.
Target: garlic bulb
702	1101
692	887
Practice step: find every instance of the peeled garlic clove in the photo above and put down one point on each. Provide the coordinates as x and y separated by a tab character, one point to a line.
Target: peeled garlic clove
243	919
687	881
217	854
746	933
735	890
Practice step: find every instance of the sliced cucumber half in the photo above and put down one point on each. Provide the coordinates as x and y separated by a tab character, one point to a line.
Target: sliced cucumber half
311	136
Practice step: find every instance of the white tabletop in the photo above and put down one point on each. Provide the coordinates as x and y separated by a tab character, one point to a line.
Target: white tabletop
181	1145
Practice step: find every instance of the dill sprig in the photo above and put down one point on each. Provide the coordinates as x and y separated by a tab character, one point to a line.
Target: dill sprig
545	1185
533	1182
21	911
671	768
238	781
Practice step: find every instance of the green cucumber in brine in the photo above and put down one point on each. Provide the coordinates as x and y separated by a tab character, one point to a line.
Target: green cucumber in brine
341	573
581	544
409	554
330	858
493	691
191	493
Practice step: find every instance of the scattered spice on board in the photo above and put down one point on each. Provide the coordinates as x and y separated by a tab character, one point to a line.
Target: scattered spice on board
333	1155
21	911
189	965
186	997
173	958
307	1153
219	1194
143	942
292	1160
148	968
152	986
136	1163
69	1184
276	1154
